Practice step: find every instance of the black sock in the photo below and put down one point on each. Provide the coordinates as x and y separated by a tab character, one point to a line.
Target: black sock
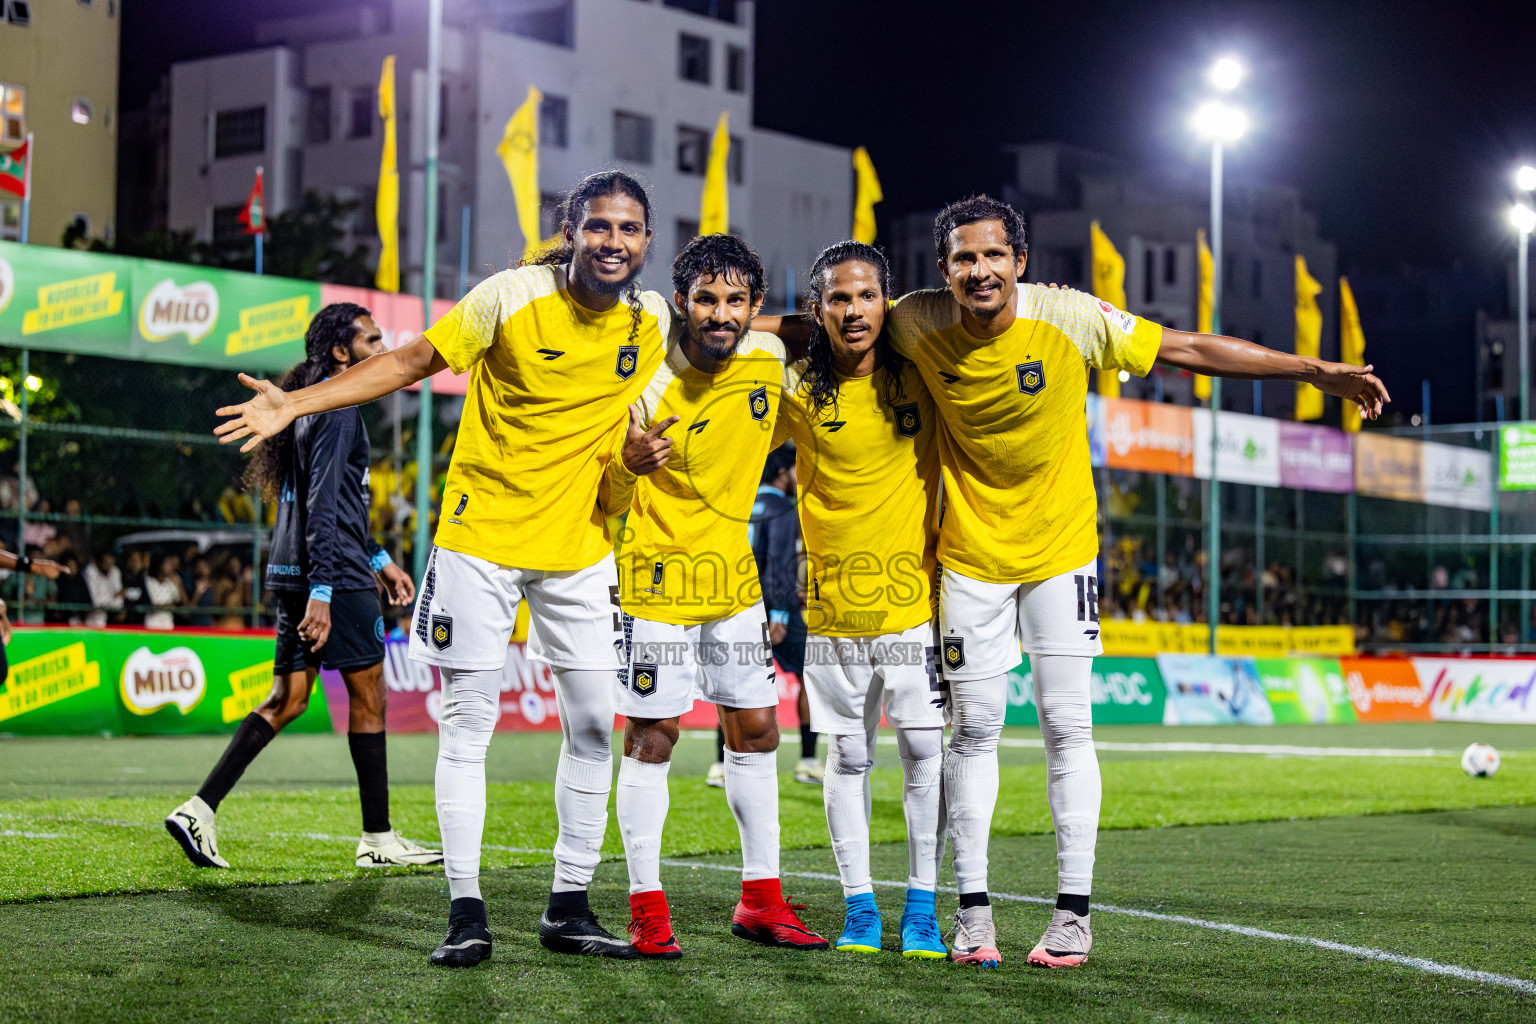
974	899
1075	902
253	734
466	910
567	904
719	746
807	742
372	763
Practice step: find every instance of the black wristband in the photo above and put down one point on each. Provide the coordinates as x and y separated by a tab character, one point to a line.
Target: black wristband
23	564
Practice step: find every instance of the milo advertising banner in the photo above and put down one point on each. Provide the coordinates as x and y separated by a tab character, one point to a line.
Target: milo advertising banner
63	299
137	682
1124	691
1305	690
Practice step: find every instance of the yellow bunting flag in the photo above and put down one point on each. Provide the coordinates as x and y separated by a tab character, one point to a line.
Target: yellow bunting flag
519	152
1351	344
386	209
715	205
1109	285
1309	336
867	193
1205	307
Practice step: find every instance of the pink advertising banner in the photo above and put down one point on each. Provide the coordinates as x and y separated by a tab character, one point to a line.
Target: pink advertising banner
399	317
1316	458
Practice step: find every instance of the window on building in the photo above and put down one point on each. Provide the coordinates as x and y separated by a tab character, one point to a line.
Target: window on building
1229	271
80	110
13	114
549	213
10	221
228	232
360	112
687	230
736	161
553	111
442	112
317	115
1258	279
693	58
1069	266
720	10
692	150
548	21
736	68
1149	275
18	12
237	132
1170	267
634	137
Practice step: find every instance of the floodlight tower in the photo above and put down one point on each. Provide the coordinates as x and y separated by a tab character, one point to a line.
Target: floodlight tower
1523	218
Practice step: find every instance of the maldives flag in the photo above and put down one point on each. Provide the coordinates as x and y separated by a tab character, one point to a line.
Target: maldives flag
13	171
254	214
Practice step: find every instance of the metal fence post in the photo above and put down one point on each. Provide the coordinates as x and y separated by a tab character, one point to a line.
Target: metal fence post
21	483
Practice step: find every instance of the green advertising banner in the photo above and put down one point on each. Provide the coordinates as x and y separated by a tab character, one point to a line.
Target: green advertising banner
1517	457
66	682
1305	690
104	305
1125	691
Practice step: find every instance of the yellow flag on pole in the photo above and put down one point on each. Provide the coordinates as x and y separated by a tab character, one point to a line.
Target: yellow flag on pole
715	205
1351	345
386	208
1109	285
866	195
1205	306
519	152
1309	336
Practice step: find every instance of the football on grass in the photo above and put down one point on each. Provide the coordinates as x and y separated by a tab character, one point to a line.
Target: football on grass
1480	760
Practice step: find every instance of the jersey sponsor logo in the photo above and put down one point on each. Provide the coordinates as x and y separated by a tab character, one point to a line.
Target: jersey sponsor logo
656	574
954	652
550	353
1031	377
698	428
908	422
833	426
949	378
463	504
1119	317
642	679
757	402
442	632
629	358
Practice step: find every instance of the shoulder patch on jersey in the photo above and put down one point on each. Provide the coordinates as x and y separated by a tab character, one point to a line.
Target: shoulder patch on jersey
1119	317
908	421
1031	377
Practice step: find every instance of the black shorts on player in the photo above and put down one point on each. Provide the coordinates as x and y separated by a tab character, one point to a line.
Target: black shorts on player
356	639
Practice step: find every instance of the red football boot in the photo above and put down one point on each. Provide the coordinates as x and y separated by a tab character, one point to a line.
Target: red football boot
650	926
763	916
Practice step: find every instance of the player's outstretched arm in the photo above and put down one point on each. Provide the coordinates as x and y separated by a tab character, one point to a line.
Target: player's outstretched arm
1217	356
273	409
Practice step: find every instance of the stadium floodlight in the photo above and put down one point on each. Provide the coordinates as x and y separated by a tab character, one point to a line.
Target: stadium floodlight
1525	178
1522	218
1219	122
1226	74
33	382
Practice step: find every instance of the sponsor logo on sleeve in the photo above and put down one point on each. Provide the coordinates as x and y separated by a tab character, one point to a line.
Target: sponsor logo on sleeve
1119	317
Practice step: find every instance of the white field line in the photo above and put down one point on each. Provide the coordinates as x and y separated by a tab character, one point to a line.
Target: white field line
1417	963
11	833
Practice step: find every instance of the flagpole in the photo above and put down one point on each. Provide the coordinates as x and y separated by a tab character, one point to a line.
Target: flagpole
26	192
428	286
260	238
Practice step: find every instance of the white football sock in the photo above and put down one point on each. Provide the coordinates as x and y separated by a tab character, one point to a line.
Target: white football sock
1073	786
844	792
752	791
970	773
585	773
466	720
642	804
922	758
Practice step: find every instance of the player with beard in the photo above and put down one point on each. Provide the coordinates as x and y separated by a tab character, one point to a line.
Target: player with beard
1007	365
321	576
867	453
694	623
555	351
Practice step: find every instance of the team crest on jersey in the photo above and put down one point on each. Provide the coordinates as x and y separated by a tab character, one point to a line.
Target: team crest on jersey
1031	377
757	401
442	632
954	652
629	358
908	422
643	680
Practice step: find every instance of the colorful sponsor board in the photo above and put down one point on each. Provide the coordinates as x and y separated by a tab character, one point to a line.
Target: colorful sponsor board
1124	638
1501	690
1457	477
1316	458
1517	457
137	682
1152	437
1213	691
1389	467
1385	690
1305	690
1247	447
1124	691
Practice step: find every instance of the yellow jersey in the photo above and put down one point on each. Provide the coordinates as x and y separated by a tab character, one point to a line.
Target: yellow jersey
867	476
684	553
1018	489
549	384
